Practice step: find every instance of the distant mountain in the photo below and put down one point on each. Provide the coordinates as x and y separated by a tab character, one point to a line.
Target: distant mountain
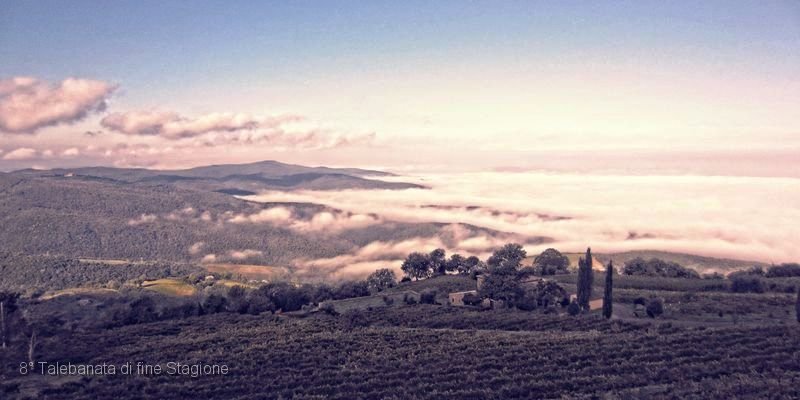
270	168
231	178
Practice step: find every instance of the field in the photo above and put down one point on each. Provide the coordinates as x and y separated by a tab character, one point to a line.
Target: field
272	357
173	287
76	292
709	343
246	271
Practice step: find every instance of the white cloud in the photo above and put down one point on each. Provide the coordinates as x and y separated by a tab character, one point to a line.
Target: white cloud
171	125
196	248
733	217
244	254
324	221
22	153
143	219
28	104
71	152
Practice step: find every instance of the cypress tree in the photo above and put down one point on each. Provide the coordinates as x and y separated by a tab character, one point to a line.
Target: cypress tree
797	306
607	307
585	280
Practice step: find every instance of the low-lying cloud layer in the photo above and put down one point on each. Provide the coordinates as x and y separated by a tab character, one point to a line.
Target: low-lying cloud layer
324	221
28	104
734	217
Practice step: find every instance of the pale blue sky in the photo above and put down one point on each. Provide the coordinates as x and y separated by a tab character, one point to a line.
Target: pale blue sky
628	73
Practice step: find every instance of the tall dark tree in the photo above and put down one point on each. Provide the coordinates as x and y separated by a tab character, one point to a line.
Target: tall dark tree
607	298
8	303
797	306
585	278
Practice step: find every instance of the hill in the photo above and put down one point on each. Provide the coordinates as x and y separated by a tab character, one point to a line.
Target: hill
701	264
82	216
252	177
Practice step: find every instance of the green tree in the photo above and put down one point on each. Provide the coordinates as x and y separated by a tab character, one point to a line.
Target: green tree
456	263
380	280
417	265
655	307
438	263
607	298
500	286
585	278
551	262
508	258
503	279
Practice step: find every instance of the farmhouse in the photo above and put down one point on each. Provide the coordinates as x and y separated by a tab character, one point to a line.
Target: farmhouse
457	298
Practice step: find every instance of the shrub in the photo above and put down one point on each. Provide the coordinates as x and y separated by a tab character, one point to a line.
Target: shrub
528	302
355	319
783	270
655	307
745	284
328	309
574	308
471	299
428	297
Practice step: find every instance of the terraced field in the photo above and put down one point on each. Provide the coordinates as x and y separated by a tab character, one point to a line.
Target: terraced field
271	358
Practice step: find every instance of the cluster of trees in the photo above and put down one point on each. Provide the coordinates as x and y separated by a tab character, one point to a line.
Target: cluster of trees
284	296
783	270
420	265
658	267
24	320
504	276
753	280
38	273
504	282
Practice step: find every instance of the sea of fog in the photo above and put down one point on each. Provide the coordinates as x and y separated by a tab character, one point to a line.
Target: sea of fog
751	218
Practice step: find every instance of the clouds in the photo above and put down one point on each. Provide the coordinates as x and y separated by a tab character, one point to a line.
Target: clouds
171	125
22	153
29	104
733	217
143	137
324	221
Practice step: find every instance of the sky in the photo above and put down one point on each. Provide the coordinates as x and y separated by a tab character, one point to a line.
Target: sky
633	87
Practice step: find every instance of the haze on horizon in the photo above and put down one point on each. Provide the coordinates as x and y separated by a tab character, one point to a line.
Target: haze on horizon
682	87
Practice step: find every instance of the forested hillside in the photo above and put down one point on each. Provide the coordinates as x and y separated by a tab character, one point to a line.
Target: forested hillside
98	217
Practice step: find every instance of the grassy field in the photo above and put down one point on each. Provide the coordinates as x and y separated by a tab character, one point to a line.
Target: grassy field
247	271
76	292
171	287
